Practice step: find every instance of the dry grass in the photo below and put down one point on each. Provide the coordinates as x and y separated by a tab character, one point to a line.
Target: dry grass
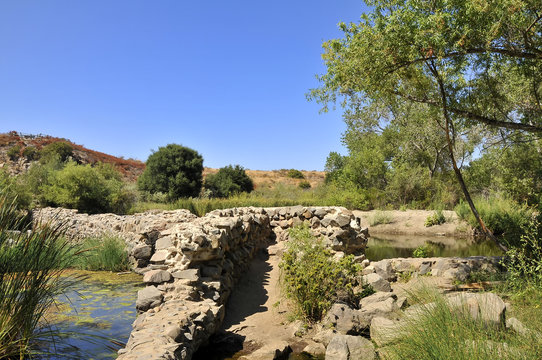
264	179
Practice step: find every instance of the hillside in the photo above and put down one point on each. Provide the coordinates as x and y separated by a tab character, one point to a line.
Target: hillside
130	168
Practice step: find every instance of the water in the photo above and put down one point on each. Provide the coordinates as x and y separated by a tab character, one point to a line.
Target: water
99	320
393	246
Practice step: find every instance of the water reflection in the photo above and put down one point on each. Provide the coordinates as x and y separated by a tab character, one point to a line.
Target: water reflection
393	246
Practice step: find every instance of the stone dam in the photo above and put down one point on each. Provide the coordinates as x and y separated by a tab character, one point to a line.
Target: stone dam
190	264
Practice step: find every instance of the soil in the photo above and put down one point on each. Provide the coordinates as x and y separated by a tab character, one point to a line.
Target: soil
411	222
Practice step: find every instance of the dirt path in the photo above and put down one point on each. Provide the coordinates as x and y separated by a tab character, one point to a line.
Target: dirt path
255	309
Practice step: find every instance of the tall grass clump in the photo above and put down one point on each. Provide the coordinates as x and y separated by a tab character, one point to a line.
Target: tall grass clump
31	262
440	331
106	253
312	278
380	217
504	217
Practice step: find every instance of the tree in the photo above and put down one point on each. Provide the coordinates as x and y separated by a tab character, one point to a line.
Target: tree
60	149
229	180
174	170
471	63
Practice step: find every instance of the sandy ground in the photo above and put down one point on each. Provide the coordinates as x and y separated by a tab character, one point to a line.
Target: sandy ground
411	222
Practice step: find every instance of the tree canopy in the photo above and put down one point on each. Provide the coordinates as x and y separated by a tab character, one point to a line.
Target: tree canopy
174	170
227	181
445	75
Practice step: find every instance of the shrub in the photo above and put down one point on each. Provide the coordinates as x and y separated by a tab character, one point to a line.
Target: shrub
304	185
31	153
421	251
312	278
14	191
524	261
107	253
31	262
437	218
295	174
14	152
227	181
175	170
504	217
380	217
88	189
60	149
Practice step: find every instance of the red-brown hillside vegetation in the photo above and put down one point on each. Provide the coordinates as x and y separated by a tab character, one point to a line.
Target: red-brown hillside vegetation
130	168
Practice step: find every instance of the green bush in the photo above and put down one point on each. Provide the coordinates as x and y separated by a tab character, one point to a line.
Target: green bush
14	191
89	189
31	153
295	174
421	252
437	218
304	185
228	181
174	170
524	261
504	217
31	263
312	278
14	152
106	253
59	149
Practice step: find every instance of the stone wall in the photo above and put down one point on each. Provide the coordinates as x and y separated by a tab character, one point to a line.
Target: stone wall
190	264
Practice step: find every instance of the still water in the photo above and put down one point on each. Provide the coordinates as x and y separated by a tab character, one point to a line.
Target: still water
393	246
99	319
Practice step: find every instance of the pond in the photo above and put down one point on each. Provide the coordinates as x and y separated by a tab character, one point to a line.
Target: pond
393	246
99	319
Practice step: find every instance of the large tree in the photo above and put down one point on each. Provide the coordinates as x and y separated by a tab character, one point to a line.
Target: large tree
174	170
470	63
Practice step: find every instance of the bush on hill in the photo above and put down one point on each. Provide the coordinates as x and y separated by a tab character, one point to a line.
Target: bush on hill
228	181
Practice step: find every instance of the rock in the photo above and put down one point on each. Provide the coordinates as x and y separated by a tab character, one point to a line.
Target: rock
156	276
148	298
345	320
517	326
341	220
159	257
384	269
276	350
382	308
163	243
377	282
347	347
337	349
320	213
376	297
315	349
324	336
188	274
142	252
369	269
384	331
487	306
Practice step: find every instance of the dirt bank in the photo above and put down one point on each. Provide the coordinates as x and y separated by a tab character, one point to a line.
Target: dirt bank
411	222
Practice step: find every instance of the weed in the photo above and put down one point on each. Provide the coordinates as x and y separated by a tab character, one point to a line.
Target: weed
421	251
380	217
106	253
437	218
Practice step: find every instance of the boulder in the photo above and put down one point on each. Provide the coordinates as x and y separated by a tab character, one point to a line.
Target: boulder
347	347
384	331
345	320
148	298
377	282
142	252
315	349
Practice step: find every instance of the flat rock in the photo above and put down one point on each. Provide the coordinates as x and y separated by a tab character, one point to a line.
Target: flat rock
188	274
156	276
159	257
384	331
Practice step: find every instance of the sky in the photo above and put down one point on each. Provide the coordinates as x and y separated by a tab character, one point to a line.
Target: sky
124	77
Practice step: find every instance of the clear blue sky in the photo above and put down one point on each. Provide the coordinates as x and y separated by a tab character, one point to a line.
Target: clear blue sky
226	78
